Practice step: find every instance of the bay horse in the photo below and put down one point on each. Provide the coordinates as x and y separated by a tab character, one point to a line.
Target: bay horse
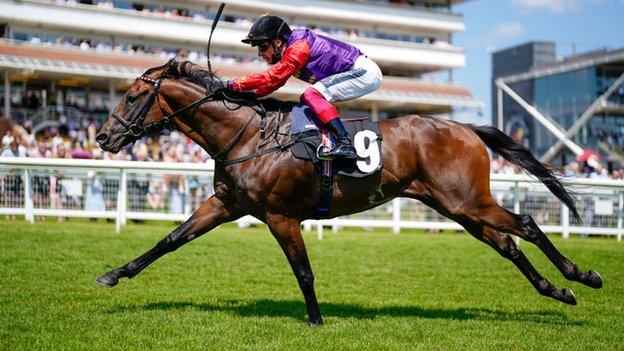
442	163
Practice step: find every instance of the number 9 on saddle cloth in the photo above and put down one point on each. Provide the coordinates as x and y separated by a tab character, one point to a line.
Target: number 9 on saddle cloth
365	135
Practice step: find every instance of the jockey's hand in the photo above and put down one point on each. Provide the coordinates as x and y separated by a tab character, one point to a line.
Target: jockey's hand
223	87
229	85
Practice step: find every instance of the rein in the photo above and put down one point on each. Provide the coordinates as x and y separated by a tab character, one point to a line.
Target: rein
137	129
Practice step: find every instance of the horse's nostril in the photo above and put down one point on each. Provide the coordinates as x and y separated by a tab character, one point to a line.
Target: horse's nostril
101	138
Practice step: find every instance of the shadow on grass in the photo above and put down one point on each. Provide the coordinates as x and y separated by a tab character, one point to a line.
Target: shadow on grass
294	309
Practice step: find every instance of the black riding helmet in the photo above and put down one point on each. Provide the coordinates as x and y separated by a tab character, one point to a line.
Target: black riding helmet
266	28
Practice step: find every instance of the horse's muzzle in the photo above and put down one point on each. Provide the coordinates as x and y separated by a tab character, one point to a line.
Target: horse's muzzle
103	139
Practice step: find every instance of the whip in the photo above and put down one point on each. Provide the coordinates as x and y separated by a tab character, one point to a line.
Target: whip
214	24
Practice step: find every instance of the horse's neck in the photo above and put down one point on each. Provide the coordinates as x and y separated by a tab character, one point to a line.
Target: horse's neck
213	126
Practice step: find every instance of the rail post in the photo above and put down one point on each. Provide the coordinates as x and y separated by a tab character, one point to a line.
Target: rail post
620	214
516	196
565	221
319	229
121	200
396	215
28	198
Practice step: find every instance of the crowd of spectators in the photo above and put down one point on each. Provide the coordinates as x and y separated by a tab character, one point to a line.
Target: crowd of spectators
615	140
164	53
576	169
203	15
98	192
72	139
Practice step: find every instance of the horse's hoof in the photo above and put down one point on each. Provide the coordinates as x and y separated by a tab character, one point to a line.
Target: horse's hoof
568	296
108	279
594	279
314	324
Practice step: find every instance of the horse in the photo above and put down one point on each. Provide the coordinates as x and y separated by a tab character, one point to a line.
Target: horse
442	163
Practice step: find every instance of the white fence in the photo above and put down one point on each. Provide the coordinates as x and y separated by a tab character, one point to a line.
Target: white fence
123	190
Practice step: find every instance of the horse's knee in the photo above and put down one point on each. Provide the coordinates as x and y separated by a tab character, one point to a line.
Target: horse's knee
176	239
305	277
167	244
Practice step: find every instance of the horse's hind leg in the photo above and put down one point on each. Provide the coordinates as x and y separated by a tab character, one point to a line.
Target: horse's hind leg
507	248
211	214
480	221
525	227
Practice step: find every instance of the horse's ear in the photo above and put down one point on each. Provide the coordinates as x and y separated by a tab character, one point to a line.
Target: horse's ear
172	63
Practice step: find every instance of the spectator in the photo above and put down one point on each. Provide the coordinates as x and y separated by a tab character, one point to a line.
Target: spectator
138	184
56	189
195	188
94	198
155	194
174	184
12	183
14	150
7	139
41	182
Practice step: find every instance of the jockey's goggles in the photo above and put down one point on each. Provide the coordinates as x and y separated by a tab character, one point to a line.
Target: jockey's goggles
262	47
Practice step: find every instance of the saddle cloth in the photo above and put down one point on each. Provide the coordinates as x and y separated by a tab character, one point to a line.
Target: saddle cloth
365	136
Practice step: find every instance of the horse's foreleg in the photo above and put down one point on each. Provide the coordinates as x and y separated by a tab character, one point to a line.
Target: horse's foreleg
287	231
211	214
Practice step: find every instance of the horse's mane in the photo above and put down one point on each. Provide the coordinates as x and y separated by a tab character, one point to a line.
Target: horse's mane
198	75
190	71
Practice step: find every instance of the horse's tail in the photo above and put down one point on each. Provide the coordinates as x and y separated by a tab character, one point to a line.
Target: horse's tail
503	145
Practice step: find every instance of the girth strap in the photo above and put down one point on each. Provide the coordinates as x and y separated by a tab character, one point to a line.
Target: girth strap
277	148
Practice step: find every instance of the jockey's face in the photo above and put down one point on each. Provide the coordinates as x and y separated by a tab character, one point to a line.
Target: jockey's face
268	50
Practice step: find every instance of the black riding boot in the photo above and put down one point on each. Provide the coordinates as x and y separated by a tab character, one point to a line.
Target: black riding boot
343	147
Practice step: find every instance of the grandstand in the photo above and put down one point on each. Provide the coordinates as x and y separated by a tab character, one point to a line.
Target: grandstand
84	54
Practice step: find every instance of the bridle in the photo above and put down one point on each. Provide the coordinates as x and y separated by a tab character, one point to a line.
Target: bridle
136	129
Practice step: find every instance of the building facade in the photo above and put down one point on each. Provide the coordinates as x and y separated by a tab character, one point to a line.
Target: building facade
562	106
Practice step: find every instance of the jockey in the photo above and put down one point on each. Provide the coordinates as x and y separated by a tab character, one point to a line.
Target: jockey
336	70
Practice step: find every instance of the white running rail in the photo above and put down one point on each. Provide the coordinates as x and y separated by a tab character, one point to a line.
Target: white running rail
126	190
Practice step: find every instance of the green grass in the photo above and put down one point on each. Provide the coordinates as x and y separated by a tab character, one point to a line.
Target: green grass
233	289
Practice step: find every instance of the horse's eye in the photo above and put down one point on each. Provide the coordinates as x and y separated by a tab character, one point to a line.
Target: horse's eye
131	99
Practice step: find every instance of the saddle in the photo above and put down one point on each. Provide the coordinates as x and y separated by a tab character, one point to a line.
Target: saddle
309	139
365	136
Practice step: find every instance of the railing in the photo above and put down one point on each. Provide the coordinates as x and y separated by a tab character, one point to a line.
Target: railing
51	116
124	190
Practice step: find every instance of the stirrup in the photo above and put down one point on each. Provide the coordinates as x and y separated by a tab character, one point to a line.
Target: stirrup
320	154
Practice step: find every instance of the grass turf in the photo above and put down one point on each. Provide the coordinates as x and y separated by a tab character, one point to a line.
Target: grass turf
233	289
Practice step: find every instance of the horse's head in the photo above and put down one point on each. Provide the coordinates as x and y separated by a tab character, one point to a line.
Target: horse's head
143	110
